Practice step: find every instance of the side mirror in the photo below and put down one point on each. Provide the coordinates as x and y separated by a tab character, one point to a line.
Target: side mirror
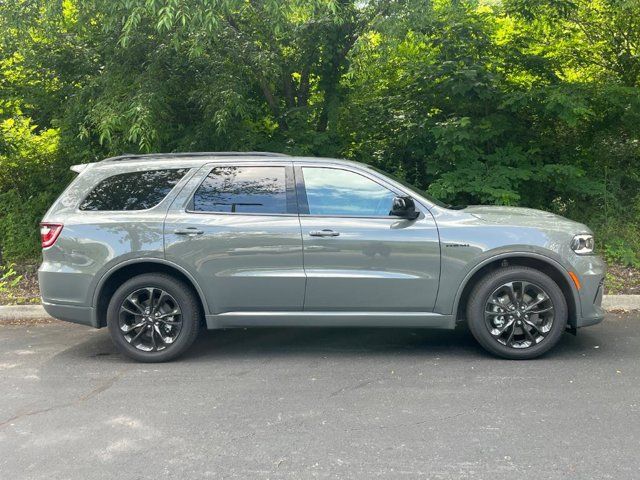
404	207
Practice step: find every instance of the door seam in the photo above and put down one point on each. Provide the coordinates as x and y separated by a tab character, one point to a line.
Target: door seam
304	269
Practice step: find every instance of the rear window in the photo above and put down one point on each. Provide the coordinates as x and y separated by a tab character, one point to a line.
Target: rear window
243	190
133	190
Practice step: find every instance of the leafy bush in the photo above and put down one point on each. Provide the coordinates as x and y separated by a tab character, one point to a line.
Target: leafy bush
30	179
8	278
623	251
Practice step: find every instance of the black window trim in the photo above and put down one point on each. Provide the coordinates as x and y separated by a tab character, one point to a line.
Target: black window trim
291	201
302	191
180	183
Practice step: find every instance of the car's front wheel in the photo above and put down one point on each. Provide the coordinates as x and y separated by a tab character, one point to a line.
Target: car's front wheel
517	312
153	317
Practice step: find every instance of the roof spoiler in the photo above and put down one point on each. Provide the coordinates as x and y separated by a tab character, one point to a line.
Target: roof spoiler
79	168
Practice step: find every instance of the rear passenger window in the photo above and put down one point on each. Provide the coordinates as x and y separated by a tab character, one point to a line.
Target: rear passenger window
243	190
133	191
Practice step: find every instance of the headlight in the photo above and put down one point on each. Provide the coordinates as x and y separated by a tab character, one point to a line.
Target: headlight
583	244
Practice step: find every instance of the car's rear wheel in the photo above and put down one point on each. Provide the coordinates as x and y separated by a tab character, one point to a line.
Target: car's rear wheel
517	312
153	318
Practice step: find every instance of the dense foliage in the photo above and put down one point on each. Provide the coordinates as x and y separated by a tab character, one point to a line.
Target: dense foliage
519	102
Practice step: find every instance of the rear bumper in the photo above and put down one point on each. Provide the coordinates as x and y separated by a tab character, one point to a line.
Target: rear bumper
72	313
64	294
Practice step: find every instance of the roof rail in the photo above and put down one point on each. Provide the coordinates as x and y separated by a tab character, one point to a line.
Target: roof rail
133	156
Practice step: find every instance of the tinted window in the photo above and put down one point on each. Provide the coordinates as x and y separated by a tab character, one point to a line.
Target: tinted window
243	190
340	192
133	191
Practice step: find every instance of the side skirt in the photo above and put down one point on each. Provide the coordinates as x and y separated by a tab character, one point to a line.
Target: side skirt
330	319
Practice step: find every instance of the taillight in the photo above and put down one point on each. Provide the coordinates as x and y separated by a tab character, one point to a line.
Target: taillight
49	233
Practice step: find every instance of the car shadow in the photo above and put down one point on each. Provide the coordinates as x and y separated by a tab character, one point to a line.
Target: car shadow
335	342
270	342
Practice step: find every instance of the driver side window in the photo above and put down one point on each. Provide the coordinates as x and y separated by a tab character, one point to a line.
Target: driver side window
331	191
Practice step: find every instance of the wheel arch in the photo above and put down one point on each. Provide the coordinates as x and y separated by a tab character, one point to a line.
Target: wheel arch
544	264
111	280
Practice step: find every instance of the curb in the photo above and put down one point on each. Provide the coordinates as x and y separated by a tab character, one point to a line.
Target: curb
621	302
11	313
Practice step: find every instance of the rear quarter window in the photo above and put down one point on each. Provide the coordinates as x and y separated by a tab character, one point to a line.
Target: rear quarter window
132	191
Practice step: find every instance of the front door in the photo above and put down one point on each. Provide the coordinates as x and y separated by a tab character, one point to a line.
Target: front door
235	228
358	257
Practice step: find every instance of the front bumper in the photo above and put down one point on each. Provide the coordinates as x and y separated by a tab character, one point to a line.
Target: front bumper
591	276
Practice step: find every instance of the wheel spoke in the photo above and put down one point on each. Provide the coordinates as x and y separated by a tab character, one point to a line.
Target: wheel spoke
134	301
153	339
534	326
128	310
511	292
166	339
489	312
172	313
544	310
157	330
537	302
132	327
529	335
151	305
160	301
510	337
140	332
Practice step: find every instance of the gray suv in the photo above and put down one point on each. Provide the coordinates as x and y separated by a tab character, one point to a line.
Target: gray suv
156	246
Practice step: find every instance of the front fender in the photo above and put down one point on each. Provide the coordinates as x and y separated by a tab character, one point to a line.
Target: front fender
449	303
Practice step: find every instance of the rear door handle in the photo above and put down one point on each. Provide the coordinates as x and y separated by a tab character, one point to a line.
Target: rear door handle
188	231
323	233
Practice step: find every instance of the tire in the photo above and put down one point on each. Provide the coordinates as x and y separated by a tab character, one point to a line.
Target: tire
493	295
170	334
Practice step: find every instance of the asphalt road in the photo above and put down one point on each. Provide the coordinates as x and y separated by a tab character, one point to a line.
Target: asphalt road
320	403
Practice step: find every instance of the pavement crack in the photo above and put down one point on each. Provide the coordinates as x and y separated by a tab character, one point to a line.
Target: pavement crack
351	387
29	413
102	387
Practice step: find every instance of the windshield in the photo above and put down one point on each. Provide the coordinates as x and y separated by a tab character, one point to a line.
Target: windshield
414	189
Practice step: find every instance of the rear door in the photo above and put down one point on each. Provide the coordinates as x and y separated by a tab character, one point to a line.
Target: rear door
357	257
235	228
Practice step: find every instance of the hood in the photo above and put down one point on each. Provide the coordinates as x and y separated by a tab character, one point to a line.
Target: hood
528	217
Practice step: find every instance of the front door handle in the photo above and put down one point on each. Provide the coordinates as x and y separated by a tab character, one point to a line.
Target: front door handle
191	231
323	233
